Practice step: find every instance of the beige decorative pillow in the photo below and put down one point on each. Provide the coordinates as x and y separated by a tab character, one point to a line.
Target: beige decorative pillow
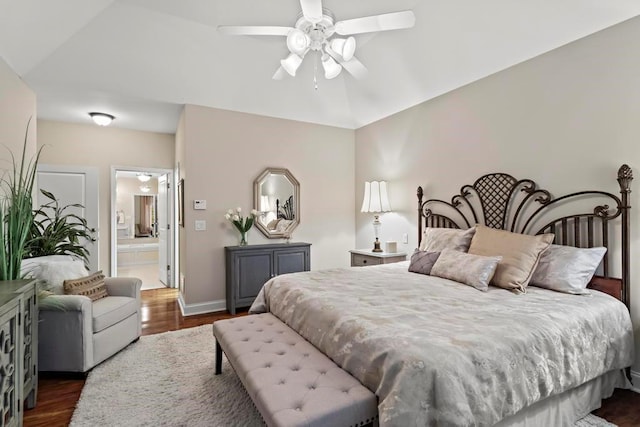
91	286
472	270
520	254
437	239
273	224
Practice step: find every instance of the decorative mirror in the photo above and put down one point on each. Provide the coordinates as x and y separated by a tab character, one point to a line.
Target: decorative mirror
276	196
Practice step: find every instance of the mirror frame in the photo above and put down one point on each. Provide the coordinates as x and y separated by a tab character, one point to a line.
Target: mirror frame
296	201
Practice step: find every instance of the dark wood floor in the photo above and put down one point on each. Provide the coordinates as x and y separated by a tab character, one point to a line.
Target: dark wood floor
58	394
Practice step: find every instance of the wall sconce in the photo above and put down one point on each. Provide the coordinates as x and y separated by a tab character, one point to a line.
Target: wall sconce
376	200
102	119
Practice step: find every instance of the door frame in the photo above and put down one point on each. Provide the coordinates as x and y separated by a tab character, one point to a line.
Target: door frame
171	197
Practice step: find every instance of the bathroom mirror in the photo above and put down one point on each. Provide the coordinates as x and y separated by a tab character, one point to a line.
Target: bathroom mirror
276	196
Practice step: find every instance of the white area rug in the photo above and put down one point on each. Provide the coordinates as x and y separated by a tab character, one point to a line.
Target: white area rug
168	380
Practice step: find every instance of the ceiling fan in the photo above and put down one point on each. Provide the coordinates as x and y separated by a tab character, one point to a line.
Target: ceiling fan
316	30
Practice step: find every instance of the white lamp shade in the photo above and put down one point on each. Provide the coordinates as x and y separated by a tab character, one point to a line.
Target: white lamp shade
376	198
344	47
331	67
291	64
264	204
297	42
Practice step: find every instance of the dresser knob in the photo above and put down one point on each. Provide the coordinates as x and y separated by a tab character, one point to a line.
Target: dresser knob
364	261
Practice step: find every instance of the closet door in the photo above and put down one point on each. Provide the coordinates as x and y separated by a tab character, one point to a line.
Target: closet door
74	184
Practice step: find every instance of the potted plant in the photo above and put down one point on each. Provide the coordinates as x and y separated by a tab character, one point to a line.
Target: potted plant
16	212
56	230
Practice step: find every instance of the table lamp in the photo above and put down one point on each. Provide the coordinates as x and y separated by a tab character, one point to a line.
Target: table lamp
376	200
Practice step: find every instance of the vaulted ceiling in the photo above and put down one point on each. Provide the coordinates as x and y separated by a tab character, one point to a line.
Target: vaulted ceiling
141	60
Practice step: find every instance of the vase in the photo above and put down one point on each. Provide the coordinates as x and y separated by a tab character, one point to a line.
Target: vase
243	238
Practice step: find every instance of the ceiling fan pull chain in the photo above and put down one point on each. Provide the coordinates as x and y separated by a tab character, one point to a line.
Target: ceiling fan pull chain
315	72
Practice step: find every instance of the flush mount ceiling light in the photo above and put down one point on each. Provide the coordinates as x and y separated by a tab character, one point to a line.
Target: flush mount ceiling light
143	177
145	188
316	30
102	119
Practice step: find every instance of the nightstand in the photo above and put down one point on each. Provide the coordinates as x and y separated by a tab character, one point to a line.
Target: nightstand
364	257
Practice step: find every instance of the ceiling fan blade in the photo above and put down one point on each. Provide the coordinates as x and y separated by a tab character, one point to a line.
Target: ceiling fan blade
251	30
280	74
368	24
312	10
353	66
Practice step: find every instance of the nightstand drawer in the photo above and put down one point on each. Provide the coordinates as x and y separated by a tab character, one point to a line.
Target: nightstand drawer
358	260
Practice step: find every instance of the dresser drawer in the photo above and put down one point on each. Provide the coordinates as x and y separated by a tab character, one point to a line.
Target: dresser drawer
358	260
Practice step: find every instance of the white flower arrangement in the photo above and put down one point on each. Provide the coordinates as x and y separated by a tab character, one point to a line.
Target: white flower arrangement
243	224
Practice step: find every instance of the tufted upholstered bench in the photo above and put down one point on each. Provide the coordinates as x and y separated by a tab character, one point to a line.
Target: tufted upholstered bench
289	380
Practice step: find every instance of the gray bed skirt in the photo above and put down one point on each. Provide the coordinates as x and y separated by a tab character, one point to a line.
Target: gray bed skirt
568	407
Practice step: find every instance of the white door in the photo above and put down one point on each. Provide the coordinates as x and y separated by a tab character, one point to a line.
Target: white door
70	185
164	237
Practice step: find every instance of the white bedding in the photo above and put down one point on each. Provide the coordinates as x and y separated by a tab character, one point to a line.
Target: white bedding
440	353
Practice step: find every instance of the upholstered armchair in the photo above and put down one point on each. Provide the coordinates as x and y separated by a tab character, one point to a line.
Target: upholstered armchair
75	334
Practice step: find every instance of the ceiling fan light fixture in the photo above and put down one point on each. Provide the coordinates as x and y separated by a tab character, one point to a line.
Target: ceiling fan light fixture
291	64
331	67
344	47
297	42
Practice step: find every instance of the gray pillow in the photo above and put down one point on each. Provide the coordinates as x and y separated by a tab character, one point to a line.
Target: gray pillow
472	270
437	239
567	269
422	262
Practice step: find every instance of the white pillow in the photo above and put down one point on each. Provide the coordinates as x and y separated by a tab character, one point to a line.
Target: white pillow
567	269
53	271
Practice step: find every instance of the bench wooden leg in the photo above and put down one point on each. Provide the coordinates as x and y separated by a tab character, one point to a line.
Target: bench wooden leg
218	358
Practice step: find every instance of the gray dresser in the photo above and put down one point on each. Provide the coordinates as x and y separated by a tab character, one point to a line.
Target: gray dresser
18	348
249	267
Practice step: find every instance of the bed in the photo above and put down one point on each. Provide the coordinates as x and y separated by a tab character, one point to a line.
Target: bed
438	352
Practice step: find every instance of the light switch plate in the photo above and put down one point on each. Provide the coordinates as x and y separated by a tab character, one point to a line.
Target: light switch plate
201	225
405	238
199	205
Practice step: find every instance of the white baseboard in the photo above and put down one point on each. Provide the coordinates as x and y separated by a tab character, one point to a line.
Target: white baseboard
201	307
635	379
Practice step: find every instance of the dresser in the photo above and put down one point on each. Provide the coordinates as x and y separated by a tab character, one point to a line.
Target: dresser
18	348
248	267
364	257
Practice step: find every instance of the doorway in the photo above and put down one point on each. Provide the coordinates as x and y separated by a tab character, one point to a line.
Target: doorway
142	220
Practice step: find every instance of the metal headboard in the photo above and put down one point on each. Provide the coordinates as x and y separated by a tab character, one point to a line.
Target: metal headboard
285	211
500	201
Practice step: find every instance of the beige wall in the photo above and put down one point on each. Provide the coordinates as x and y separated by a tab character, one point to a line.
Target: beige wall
225	151
100	147
17	106
567	119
